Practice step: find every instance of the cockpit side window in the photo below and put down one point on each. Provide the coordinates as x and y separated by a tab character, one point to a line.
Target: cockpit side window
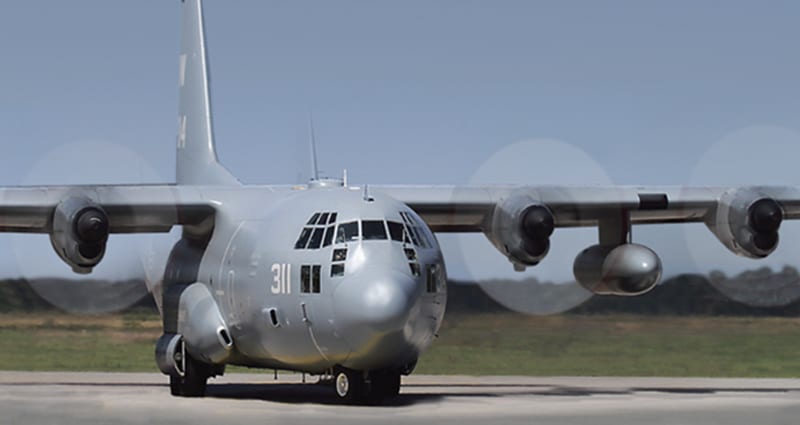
316	238
415	230
373	230
303	239
316	231
410	228
413	235
328	236
395	230
423	237
347	232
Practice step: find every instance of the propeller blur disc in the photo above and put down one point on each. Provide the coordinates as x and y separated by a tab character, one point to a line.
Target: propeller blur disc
118	281
548	288
751	156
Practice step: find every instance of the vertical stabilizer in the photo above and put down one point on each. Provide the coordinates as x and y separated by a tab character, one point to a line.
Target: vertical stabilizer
196	156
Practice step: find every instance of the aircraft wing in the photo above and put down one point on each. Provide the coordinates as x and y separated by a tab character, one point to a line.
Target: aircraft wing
130	209
469	208
519	220
79	219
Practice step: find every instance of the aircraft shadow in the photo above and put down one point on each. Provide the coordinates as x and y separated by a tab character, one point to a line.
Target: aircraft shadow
312	393
316	393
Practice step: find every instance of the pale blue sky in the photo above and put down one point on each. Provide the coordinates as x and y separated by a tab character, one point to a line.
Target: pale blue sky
415	92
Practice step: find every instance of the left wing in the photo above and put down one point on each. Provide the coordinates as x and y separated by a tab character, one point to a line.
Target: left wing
519	220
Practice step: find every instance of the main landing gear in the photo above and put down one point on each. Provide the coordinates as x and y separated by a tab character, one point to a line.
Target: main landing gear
194	379
357	387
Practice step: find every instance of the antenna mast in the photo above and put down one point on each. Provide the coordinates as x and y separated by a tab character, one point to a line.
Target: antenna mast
313	146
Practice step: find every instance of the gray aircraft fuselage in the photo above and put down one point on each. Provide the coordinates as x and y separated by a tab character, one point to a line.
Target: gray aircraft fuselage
368	295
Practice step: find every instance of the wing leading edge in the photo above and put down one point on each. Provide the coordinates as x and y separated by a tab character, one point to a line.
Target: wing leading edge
468	208
130	209
519	220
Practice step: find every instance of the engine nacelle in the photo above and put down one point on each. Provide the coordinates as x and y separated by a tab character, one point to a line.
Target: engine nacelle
79	233
747	222
627	269
201	324
520	229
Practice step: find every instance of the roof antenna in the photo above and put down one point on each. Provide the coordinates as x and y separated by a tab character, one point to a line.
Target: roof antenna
313	146
367	198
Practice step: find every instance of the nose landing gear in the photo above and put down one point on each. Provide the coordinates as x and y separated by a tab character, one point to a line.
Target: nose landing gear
358	387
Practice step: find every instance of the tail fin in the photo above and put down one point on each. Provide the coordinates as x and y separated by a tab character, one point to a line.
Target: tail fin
196	155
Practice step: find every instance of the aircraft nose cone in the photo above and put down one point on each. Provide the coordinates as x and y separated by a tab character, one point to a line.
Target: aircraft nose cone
374	314
385	304
380	301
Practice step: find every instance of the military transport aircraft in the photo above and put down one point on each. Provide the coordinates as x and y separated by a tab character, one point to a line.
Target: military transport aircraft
348	281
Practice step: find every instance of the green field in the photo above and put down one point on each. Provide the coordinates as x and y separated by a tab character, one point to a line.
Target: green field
616	346
475	344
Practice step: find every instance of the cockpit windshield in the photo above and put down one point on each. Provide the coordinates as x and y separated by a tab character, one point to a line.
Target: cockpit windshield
374	230
347	232
320	233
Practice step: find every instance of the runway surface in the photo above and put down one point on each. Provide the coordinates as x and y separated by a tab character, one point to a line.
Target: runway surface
121	398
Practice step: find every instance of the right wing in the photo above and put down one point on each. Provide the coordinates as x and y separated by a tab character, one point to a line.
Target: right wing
79	219
130	208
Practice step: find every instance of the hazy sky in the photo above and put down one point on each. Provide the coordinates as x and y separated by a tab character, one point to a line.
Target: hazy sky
636	92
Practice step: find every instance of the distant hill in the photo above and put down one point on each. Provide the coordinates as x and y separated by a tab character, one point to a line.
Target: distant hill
752	293
759	292
76	296
17	295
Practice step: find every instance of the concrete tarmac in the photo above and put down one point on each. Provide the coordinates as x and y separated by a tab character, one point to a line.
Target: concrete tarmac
28	398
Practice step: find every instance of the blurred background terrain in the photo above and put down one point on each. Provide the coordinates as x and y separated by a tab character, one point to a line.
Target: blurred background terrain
690	325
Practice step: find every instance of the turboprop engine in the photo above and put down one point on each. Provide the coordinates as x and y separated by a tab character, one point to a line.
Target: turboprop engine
521	229
79	233
747	222
625	269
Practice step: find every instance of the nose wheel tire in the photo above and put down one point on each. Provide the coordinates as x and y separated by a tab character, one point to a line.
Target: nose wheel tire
352	387
349	385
